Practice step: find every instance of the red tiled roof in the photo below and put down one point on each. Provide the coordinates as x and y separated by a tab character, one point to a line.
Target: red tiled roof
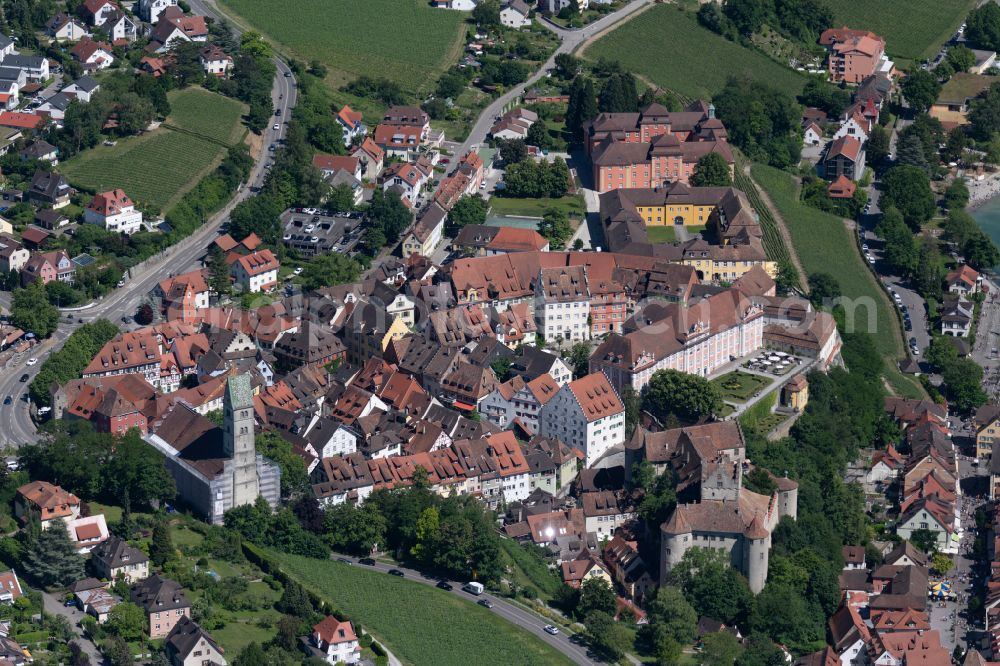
110	203
20	120
334	162
259	262
596	397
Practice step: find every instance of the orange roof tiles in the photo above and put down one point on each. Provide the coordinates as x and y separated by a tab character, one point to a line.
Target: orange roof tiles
111	202
596	397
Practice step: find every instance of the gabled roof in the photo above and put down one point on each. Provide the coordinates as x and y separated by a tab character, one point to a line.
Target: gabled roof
116	552
596	397
186	636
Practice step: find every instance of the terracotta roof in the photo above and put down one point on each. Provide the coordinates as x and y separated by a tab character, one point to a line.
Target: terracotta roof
111	202
334	162
595	396
53	500
20	120
332	631
847	146
261	261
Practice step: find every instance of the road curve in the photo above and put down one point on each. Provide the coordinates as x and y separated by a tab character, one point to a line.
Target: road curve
19	429
571	39
513	613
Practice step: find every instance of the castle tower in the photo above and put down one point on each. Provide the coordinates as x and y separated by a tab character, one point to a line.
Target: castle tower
758	543
674	541
238	439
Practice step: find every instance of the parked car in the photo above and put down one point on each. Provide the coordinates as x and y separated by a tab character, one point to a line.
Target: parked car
344	560
445	585
549	629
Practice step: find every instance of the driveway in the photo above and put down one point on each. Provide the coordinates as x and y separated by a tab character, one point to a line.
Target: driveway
53	606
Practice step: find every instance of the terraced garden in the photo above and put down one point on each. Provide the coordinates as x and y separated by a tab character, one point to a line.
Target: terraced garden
666	45
157	168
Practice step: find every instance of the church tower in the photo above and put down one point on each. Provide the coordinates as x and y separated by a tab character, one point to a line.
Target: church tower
238	439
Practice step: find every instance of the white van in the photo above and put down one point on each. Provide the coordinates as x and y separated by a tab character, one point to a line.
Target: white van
474	588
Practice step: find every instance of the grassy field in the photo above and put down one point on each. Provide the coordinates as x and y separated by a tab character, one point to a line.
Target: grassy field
824	245
405	40
913	29
157	168
661	234
450	631
667	46
572	204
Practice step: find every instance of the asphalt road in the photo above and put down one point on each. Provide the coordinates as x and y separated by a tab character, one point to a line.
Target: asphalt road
571	39
19	428
510	612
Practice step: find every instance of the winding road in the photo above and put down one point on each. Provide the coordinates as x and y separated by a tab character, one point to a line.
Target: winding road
513	613
19	428
570	41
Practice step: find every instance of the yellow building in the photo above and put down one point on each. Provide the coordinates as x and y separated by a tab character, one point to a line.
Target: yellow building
795	393
688	215
369	332
987	430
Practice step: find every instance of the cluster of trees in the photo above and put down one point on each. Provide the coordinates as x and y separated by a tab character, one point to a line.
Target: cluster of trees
801	20
984	115
537	179
329	270
252	79
282	530
711	171
99	466
581	107
467	210
619	94
555	227
962	376
815	194
677	397
979	250
32	312
982	27
67	363
378	89
907	189
504	72
388	216
920	89
818	93
136	100
453	535
763	122
844	415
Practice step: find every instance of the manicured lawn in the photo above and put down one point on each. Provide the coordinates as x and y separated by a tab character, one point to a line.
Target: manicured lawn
668	46
913	29
157	168
740	386
824	245
572	204
661	234
407	41
184	536
418	623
